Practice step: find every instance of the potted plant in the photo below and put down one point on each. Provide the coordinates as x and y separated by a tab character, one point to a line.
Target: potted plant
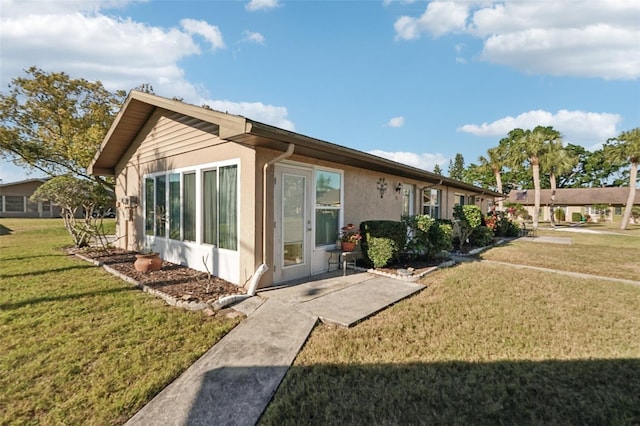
147	260
349	237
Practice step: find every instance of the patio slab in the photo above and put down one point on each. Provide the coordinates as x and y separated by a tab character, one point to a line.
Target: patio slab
345	301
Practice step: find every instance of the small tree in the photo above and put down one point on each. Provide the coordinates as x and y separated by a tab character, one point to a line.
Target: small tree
75	196
466	219
55	123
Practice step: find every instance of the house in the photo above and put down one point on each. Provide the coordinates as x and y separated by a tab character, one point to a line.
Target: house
224	193
599	203
15	202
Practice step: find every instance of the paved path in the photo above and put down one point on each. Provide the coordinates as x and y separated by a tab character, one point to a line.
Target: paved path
233	382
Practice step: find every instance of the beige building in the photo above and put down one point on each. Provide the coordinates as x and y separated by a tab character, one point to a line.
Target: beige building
225	193
598	203
15	202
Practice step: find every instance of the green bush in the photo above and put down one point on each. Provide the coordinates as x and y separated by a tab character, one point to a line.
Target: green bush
560	215
381	251
382	241
440	237
417	238
501	225
635	213
576	217
481	236
467	218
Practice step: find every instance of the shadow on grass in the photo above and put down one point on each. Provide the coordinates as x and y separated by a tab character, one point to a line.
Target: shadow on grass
4	230
45	271
602	392
62	297
35	256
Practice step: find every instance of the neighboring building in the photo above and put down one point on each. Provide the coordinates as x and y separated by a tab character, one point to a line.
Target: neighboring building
15	202
586	201
206	187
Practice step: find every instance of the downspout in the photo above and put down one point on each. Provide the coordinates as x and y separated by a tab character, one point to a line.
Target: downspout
253	285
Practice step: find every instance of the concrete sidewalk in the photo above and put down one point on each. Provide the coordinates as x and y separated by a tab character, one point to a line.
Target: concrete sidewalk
233	382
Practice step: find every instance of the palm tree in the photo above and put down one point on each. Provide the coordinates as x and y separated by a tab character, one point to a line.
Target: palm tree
557	161
528	146
494	162
626	147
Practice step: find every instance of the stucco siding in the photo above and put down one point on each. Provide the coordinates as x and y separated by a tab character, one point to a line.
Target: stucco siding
170	144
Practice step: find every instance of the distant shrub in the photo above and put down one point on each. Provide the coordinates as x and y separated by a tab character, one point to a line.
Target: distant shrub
467	218
481	237
576	217
560	215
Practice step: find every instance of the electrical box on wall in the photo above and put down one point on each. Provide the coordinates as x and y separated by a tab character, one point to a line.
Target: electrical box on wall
129	201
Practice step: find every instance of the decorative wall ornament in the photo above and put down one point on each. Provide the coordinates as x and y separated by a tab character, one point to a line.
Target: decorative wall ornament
382	186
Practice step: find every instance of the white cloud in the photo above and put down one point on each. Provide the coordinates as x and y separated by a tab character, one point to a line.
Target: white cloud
598	38
396	122
439	18
268	114
578	127
255	5
424	161
75	37
251	37
211	33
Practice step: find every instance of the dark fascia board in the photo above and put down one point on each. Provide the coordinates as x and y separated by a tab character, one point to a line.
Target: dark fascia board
260	134
242	130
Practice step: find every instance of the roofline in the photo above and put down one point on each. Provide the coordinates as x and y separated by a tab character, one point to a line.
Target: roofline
240	129
43	180
394	167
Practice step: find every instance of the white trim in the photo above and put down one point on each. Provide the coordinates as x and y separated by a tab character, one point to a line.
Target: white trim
222	262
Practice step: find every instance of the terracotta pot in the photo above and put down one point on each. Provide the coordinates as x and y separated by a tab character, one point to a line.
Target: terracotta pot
348	246
148	262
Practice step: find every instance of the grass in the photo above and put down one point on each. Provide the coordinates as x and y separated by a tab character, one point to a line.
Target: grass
485	344
598	254
78	345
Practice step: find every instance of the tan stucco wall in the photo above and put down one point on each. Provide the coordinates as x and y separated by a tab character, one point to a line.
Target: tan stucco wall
132	169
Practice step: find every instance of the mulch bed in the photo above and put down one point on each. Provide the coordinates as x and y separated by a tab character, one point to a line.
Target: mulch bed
177	281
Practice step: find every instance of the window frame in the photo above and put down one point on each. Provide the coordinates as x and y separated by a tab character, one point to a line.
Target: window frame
198	203
316	206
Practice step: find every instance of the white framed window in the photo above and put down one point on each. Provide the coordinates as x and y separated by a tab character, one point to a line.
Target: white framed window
431	202
328	206
171	201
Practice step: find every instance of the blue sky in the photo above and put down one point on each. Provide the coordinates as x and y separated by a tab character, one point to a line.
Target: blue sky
412	81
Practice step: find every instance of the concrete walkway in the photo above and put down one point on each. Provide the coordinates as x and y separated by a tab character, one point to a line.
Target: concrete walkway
233	382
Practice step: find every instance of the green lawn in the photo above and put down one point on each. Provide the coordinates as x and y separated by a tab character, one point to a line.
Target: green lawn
606	255
77	345
485	344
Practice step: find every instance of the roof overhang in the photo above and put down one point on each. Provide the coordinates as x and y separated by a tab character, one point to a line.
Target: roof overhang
139	107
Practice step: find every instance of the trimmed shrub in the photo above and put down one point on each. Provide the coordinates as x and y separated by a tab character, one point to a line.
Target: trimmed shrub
560	215
468	217
576	217
381	251
382	241
417	239
481	236
440	237
501	224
